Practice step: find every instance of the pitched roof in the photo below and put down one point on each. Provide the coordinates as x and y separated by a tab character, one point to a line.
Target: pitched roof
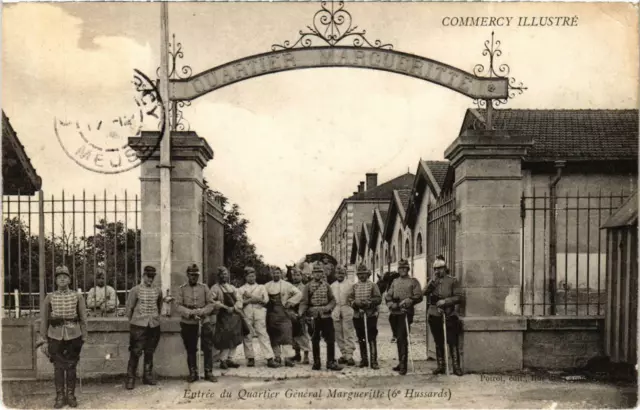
364	238
19	177
438	169
626	215
398	207
377	226
568	134
384	191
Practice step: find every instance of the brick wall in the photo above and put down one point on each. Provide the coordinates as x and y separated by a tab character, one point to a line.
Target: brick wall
562	342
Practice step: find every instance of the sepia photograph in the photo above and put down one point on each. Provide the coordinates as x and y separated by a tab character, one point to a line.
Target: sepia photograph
316	205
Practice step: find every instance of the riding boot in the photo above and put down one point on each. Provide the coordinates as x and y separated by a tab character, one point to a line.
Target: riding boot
147	376
440	359
455	360
192	363
132	369
398	366
296	357
316	356
208	367
403	357
364	362
58	377
71	387
374	354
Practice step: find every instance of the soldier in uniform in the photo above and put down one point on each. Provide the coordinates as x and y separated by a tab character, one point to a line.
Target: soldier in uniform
300	332
143	311
403	293
195	306
365	298
254	300
317	303
63	331
342	316
443	294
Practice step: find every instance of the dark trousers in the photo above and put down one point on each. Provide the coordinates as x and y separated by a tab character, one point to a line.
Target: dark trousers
323	328
143	340
189	333
399	326
65	354
453	330
372	328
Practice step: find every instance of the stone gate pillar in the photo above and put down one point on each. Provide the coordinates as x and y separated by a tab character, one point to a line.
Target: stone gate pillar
488	186
189	155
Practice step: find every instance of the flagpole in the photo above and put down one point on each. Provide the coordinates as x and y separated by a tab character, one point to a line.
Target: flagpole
165	155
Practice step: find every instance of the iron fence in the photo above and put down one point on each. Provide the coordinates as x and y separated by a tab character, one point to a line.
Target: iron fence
563	252
441	232
83	233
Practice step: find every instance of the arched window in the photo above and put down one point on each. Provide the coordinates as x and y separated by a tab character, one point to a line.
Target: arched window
393	254
406	249
386	255
399	244
419	244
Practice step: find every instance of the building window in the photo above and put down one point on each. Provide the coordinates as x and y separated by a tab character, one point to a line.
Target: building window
386	255
399	244
393	254
406	249
419	244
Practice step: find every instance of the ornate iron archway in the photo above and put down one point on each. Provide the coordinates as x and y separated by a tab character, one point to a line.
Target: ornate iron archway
332	40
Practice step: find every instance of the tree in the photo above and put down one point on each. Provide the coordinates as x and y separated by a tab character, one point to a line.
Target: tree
239	251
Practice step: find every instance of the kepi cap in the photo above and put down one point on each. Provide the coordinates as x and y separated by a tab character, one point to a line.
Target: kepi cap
149	271
62	270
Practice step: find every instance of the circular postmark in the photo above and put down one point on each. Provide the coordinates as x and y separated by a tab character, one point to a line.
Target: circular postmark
102	145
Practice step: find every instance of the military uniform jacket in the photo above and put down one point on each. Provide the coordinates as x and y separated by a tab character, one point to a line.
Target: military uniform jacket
64	316
317	299
365	293
143	305
194	299
447	288
403	289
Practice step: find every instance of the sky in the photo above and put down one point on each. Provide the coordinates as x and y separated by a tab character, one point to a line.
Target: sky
289	146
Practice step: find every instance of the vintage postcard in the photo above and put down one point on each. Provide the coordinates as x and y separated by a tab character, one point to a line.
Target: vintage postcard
319	205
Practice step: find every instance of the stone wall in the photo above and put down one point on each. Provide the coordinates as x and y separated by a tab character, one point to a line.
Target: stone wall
110	336
562	342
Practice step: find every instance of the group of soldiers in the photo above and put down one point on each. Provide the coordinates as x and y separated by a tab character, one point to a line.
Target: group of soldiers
295	312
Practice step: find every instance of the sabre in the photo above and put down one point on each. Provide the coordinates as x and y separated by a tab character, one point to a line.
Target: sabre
366	334
406	322
446	346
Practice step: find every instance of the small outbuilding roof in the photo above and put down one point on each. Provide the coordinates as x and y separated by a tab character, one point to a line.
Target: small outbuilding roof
626	215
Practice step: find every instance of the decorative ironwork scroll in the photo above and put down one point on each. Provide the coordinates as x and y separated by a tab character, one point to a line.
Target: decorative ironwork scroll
178	122
333	26
494	70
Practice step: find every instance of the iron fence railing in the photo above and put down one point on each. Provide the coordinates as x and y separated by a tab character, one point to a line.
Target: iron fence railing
441	232
563	252
80	231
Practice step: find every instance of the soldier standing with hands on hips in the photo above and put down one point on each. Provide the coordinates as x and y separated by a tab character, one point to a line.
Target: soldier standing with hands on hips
402	295
63	331
443	294
143	310
195	306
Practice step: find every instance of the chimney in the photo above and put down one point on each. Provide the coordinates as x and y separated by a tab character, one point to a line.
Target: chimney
361	186
372	180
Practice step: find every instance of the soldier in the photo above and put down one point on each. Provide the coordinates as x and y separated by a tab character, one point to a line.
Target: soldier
63	331
255	299
317	303
195	306
230	331
143	310
300	332
101	298
342	316
283	296
443	294
365	298
403	293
